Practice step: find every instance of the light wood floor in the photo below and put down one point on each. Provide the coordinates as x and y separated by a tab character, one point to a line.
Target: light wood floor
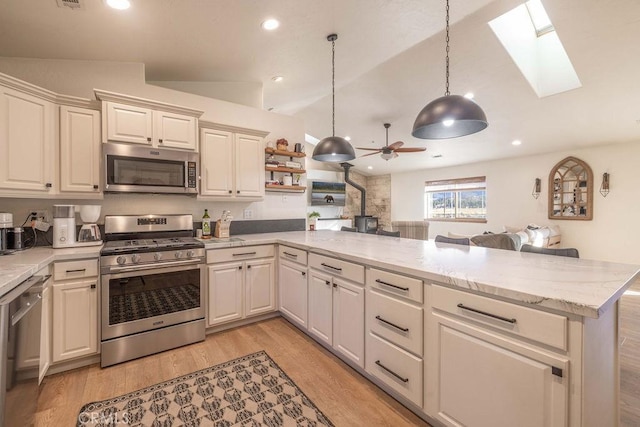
630	358
342	394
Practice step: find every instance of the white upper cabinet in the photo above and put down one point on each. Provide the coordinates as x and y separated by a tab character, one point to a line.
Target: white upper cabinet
142	121
232	163
27	142
79	150
175	130
128	123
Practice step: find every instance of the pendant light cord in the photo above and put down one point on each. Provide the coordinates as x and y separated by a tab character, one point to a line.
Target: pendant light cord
333	84
446	93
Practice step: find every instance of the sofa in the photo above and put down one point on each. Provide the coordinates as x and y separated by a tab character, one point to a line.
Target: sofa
512	238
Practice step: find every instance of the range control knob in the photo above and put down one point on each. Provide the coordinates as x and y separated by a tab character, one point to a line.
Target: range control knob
178	254
157	256
121	260
190	254
135	258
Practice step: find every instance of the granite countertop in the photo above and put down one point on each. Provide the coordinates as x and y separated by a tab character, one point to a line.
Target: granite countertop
19	266
579	286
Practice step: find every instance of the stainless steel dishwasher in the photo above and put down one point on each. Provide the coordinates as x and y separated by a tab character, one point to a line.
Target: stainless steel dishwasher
20	337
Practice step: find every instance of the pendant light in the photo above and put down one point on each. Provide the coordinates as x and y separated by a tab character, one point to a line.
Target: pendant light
449	116
333	148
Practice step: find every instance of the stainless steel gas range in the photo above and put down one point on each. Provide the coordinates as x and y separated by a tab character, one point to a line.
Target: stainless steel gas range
153	286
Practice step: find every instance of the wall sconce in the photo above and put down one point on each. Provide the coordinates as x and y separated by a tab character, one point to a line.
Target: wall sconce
604	187
536	188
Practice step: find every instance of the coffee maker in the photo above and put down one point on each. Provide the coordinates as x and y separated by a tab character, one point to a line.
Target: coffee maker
64	226
89	234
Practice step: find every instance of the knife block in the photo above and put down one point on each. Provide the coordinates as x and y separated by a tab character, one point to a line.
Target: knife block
222	230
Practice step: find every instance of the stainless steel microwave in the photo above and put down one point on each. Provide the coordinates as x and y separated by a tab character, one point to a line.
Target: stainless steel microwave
139	169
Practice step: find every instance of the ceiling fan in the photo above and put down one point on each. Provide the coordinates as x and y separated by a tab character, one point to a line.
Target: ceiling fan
391	151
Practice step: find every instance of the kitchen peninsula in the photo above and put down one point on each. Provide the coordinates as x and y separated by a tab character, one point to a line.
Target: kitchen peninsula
527	338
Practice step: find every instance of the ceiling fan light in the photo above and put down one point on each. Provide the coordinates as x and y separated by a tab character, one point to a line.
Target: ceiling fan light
388	156
434	121
333	149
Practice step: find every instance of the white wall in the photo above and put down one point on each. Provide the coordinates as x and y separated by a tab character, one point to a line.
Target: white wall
243	93
612	235
79	78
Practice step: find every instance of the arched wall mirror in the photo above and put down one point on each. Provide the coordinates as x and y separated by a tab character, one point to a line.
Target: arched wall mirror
571	190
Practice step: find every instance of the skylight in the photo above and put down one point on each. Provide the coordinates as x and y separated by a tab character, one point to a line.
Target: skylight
531	40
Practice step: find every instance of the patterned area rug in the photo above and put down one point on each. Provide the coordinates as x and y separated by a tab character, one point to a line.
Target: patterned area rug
249	391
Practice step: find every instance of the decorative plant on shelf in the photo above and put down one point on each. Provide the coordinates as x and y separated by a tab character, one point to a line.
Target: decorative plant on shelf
312	219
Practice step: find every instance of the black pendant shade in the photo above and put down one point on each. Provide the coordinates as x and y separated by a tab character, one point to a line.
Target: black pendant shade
333	149
449	116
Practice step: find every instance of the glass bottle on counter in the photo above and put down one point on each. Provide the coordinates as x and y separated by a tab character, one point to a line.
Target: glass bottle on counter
206	223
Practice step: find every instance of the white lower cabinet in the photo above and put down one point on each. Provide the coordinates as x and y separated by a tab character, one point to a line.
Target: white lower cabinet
477	377
242	288
336	307
293	291
75	319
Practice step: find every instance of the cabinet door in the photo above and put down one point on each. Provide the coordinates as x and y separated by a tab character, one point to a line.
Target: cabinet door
321	306
175	130
79	150
225	292
45	333
27	135
127	123
478	379
260	287
292	290
249	172
348	320
75	319
216	166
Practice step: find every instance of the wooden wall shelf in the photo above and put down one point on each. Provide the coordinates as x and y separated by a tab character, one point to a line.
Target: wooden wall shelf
284	153
287	170
286	188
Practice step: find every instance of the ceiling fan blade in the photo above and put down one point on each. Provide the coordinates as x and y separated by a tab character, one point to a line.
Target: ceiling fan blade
370	149
396	145
409	150
370	154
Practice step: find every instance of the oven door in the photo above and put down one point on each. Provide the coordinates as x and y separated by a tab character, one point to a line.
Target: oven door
143	299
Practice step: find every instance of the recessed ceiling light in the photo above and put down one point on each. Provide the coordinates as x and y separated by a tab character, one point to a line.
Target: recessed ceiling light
277	79
369	167
119	4
270	24
348	138
468	95
516	142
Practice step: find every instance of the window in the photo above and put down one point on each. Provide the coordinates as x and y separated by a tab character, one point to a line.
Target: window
463	199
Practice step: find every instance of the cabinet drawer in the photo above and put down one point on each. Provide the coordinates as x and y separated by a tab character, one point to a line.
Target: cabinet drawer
337	268
292	254
239	253
395	367
66	270
547	328
395	284
395	320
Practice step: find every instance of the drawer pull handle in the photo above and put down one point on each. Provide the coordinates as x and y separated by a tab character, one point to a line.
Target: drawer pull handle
393	286
331	267
303	273
326	282
93	286
392	324
288	254
484	313
245	253
79	270
404	380
556	371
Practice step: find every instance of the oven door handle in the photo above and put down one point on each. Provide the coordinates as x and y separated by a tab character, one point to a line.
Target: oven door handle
34	298
153	266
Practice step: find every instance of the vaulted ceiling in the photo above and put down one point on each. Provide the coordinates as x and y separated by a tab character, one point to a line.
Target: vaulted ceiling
389	64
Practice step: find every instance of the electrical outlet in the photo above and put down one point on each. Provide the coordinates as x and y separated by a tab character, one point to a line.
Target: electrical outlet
247	214
41	215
